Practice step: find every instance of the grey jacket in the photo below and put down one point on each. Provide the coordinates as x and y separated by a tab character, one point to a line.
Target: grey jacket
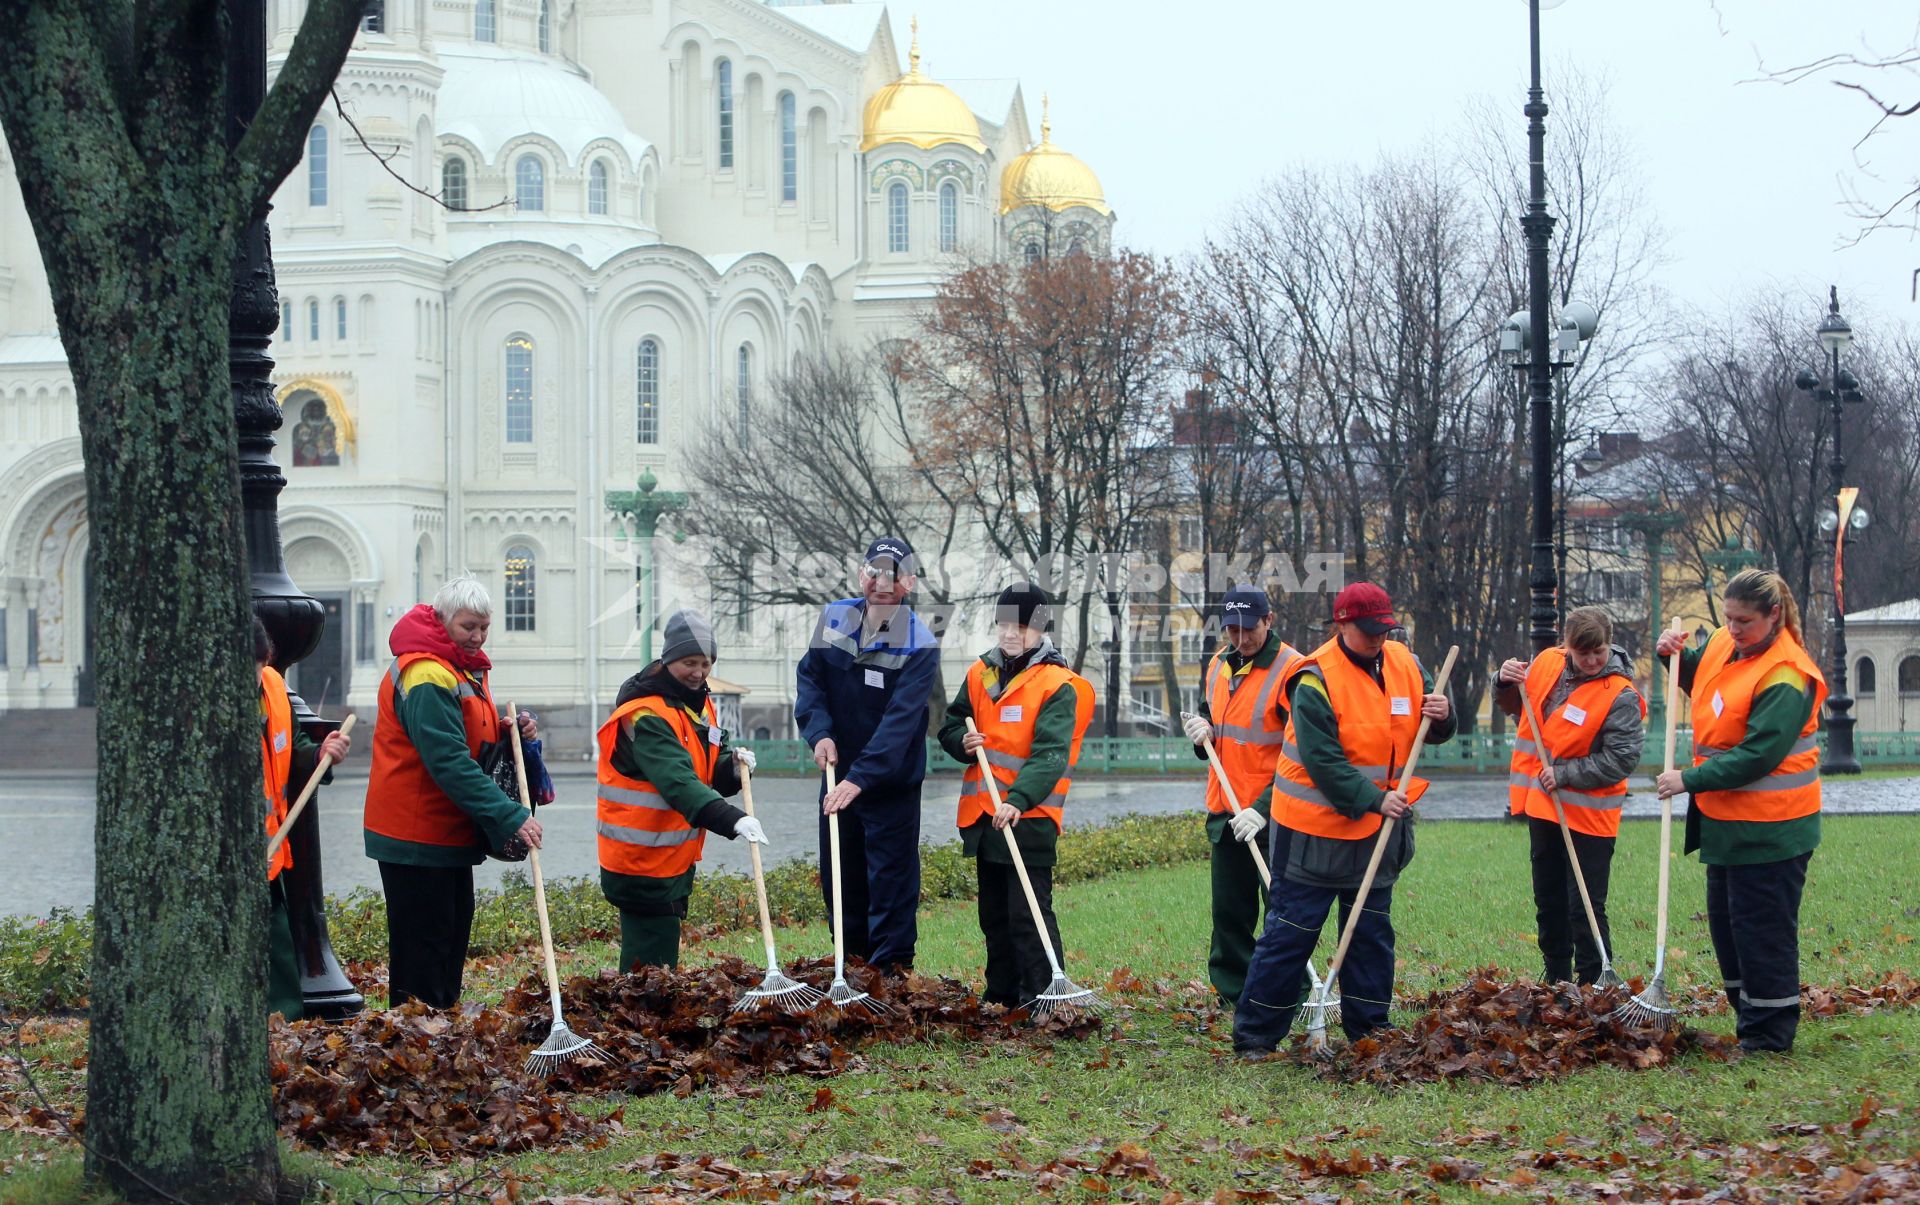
1616	750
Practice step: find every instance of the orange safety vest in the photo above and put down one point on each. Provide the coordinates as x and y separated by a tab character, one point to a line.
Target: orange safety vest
640	832
1005	714
1723	694
1377	728
276	760
1572	729
1245	734
403	801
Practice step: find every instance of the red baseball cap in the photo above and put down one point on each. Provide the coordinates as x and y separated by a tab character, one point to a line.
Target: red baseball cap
1366	605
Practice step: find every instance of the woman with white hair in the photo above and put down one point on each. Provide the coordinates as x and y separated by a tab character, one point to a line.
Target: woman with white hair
432	811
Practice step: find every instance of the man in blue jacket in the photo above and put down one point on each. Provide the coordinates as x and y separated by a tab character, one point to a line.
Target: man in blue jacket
861	704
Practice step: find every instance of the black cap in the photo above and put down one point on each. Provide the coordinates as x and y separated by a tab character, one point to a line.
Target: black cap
1024	604
894	550
687	633
1244	607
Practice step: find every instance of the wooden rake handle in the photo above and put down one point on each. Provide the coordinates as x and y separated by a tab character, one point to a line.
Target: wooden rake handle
280	834
1386	826
1233	802
1013	847
759	876
839	919
533	864
1666	806
1566	832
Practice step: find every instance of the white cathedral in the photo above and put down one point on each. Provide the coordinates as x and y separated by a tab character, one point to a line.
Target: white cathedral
656	205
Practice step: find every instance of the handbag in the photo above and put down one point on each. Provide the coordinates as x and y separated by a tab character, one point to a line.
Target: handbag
496	760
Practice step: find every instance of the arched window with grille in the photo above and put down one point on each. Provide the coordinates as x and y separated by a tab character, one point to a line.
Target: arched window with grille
1863	678
789	149
949	216
529	184
743	385
544	28
519	390
453	182
518	603
317	167
597	187
484	21
646	393
723	87
897	229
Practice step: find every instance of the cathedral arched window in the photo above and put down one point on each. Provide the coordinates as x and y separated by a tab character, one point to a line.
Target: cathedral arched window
286	321
529	184
1033	253
1077	247
743	386
453	182
949	216
340	319
519	399
723	86
646	393
789	149
317	167
313	320
597	187
375	20
316	443
518	604
544	28
484	21
897	231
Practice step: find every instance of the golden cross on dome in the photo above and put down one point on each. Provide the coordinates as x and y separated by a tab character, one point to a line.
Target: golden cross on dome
913	52
1046	121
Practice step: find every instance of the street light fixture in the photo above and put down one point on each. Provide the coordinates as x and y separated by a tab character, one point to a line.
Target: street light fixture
641	509
1835	334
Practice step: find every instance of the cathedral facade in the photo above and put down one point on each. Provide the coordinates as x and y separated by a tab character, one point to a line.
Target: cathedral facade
534	251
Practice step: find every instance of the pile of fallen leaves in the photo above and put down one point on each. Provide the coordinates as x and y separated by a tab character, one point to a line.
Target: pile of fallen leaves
1516	1033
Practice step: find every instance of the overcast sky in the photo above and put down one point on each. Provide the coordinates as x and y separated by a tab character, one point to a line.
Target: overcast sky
1184	108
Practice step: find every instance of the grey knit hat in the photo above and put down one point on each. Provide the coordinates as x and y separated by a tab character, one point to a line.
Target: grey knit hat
688	632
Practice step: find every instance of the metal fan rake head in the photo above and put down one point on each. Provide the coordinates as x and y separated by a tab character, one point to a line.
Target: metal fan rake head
564	1045
1649	1007
1323	1009
844	997
779	992
1064	995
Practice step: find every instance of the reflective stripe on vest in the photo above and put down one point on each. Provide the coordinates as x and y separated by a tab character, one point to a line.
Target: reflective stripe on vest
640	833
276	761
1596	812
1010	742
403	801
1371	736
1246	737
1792	789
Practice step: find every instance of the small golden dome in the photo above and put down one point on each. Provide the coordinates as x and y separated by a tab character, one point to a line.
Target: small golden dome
914	109
1049	177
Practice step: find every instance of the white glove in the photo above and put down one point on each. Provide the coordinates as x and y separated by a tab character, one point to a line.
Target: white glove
1246	824
745	758
750	828
1198	730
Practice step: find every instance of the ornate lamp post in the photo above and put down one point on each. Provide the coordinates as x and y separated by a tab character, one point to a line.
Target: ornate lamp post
292	617
1653	526
1731	559
1835	335
638	511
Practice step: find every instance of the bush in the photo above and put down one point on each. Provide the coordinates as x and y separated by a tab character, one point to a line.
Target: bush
44	963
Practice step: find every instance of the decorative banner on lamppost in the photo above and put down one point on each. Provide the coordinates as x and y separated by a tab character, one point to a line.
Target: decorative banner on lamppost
1848	497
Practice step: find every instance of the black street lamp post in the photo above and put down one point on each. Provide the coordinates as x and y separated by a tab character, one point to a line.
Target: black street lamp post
293	618
1835	334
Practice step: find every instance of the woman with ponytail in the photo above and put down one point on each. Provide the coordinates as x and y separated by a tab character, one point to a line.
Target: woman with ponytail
1755	788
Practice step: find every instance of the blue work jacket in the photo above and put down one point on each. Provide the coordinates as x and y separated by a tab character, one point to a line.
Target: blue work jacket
871	699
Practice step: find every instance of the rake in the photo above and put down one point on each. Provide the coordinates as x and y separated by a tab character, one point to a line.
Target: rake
306	793
1608	976
562	1044
1062	992
776	990
1332	1011
1320	1002
1650	1005
840	993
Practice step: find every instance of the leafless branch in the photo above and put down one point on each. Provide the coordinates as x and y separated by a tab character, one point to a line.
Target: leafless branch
386	163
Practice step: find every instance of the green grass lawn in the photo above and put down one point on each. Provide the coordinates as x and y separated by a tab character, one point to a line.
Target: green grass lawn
1159	1103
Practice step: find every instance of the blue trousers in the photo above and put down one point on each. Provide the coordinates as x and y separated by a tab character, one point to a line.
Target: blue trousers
1274	991
879	875
1753	913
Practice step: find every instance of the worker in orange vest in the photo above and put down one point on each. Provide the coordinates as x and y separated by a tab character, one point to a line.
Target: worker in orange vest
284	749
1032	713
1245	716
1354	708
1755	787
1596	727
664	766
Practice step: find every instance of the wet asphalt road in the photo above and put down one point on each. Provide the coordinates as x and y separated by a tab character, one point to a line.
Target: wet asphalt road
47	854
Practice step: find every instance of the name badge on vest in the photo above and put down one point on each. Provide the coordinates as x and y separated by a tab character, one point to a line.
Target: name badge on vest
1719	704
1574	715
713	735
1402	705
279	741
876	678
1010	715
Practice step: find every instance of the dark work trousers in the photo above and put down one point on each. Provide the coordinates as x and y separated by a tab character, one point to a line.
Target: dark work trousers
283	969
651	938
1017	969
1239	899
429	917
1275	977
1753	913
879	875
1566	942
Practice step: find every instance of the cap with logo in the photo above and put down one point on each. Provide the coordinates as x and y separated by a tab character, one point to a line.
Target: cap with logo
1244	607
891	553
1366	606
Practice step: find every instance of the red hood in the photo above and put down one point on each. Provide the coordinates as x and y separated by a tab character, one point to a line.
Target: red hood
420	631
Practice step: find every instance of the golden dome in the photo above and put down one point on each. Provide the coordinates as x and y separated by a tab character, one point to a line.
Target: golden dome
914	109
1049	177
